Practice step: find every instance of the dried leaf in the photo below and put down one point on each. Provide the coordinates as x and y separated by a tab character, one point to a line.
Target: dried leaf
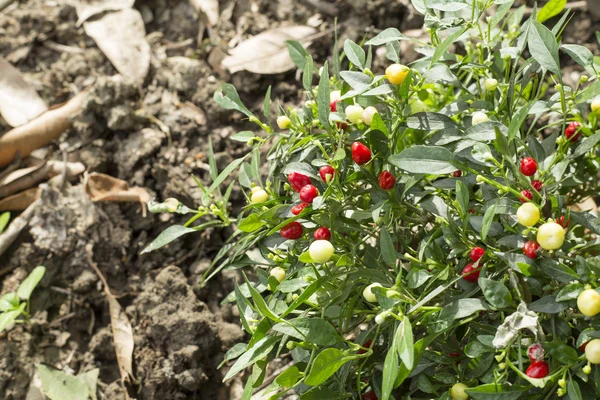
122	336
35	391
40	131
8	237
266	53
101	187
88	8
121	328
19	102
26	178
519	320
210	8
587	204
58	385
20	201
121	35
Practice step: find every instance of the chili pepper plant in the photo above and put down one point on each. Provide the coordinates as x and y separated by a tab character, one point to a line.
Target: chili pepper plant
411	231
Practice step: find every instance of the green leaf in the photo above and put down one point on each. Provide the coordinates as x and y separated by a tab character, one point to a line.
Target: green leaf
58	385
430	121
589	92
548	305
405	344
462	308
340	154
243	136
321	393
580	54
488	218
8	318
500	13
387	35
167	236
443	47
323	97
234	352
392	51
517	121
228	98
306	293
10	301
26	287
492	391
495	292
300	167
289	377
378	124
586	219
543	47
388	251
462	197
255	353
355	53
424	160
550	9
313	330
267	103
569	292
4	218
562	353
307	74
357	80
326	364
226	173
573	391
251	223
416	278
557	270
260	303
297	52
390	370
586	145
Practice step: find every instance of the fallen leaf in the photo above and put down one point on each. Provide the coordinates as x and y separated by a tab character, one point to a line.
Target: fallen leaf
101	187
210	8
35	391
19	102
266	53
121	35
121	328
122	336
58	385
20	201
587	204
88	8
26	178
40	131
8	237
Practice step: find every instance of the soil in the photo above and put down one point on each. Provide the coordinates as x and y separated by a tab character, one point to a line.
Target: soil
181	329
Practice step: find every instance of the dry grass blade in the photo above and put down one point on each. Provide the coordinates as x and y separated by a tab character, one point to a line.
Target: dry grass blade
19	102
88	8
40	131
20	201
121	35
266	53
101	187
14	229
121	328
210	8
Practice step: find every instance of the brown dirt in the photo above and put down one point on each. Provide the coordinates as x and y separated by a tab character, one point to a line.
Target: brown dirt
181	329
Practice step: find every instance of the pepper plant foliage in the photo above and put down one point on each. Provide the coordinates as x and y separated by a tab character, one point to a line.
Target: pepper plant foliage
485	94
